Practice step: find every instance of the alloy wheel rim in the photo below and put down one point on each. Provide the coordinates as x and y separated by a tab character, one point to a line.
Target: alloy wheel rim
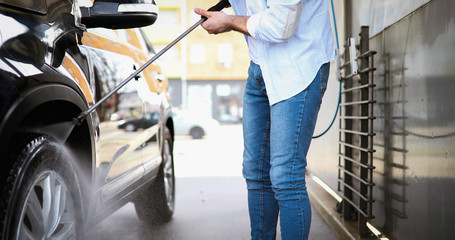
48	211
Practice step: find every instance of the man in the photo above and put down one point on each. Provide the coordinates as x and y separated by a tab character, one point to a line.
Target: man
290	43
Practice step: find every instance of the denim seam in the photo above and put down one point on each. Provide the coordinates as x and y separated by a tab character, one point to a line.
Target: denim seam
261	171
261	227
294	159
300	200
261	190
296	140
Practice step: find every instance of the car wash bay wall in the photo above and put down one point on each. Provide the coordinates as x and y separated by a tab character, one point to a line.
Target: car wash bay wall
415	122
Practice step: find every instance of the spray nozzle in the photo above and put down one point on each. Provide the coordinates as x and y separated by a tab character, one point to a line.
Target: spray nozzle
80	119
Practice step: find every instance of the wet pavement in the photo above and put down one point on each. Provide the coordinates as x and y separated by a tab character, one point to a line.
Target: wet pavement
211	197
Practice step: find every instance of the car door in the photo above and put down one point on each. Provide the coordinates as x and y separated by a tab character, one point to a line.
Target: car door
152	82
119	161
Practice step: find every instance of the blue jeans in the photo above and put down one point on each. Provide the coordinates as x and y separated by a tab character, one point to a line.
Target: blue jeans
276	142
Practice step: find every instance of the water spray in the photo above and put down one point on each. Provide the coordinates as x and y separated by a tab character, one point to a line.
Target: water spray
83	115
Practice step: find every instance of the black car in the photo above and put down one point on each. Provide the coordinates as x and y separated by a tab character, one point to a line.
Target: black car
58	176
133	124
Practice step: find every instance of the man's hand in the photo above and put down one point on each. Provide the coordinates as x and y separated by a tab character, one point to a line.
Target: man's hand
219	22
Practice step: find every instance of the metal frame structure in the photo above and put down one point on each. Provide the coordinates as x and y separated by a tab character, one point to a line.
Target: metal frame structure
355	158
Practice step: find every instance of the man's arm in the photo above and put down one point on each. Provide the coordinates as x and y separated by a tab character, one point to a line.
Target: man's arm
219	22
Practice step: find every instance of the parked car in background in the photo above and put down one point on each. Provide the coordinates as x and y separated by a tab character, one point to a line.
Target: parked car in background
57	179
144	122
194	124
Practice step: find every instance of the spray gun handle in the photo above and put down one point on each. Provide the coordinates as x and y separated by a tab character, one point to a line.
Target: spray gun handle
218	7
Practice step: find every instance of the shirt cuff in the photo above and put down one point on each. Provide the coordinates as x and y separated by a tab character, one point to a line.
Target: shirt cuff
252	24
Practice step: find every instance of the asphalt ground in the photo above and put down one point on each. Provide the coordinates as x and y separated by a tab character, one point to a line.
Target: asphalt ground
211	197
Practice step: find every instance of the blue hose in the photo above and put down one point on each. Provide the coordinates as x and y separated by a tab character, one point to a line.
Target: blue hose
338	70
334	116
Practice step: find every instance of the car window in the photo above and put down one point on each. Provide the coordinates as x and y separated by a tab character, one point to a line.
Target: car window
152	116
142	43
145	42
123	35
85	3
111	34
155	116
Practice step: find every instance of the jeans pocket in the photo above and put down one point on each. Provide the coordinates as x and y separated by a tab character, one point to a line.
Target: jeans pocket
324	76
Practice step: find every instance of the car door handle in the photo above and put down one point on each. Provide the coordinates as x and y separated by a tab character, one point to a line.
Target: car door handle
138	75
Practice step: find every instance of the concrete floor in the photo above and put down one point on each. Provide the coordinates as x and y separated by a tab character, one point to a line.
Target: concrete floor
210	197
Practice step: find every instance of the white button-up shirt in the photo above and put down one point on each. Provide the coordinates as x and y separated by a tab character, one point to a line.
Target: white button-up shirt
290	40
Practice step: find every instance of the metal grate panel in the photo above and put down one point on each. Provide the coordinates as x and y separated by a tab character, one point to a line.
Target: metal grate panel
355	161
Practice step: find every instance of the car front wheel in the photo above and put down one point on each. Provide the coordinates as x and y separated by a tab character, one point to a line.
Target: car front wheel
41	197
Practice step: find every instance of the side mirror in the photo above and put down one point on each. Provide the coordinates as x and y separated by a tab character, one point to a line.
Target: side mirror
117	15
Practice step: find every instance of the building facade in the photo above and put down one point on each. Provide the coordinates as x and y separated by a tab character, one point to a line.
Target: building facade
207	73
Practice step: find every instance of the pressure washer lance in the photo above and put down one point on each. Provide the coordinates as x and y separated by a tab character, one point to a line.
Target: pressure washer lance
81	117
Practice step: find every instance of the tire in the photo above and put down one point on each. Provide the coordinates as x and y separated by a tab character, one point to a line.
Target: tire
196	132
41	197
156	205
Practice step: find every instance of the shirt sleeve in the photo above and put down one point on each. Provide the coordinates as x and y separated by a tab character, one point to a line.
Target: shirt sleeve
278	22
239	7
